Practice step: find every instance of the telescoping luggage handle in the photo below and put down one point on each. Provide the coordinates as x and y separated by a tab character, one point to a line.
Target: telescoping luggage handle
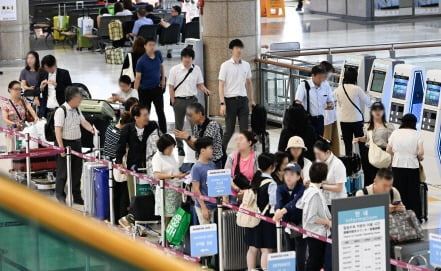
77	4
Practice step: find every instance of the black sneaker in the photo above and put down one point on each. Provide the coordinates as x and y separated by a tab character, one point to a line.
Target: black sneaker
181	152
79	201
169	55
61	199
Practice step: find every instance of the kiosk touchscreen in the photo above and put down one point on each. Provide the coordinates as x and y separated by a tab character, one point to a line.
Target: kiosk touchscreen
381	81
363	64
407	92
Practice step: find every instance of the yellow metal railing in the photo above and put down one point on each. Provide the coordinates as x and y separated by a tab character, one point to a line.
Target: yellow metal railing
33	206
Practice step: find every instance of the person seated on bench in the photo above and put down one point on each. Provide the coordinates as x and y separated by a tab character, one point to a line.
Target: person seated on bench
383	183
142	20
103	13
120	10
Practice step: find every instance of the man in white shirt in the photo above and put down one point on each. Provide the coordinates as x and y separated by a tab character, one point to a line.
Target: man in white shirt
184	81
235	90
320	97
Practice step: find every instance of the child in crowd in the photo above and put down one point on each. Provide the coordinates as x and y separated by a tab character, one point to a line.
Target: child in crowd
126	91
288	194
204	149
263	236
316	216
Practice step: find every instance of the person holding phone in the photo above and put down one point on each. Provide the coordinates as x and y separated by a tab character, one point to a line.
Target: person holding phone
383	184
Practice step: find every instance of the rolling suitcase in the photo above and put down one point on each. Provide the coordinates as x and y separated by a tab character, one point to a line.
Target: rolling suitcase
263	143
235	250
354	183
101	188
88	186
83	42
60	23
37	163
424	201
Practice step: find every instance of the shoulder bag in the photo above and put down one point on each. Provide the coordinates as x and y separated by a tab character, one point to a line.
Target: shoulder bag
404	227
307	88
239	179
356	107
377	157
28	115
129	70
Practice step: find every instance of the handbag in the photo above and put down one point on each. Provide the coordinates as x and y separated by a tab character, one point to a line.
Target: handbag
404	226
28	115
178	226
422	173
129	71
377	157
239	179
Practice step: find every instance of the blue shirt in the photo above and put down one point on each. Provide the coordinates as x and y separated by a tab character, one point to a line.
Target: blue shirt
141	22
318	97
199	174
150	70
176	20
287	199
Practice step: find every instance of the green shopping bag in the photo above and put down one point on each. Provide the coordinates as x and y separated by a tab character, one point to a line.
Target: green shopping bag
177	227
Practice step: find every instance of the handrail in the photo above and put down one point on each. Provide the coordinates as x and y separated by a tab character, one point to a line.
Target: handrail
289	66
54	216
359	48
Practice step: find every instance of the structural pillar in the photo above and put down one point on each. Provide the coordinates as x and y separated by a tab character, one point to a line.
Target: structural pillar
14	35
222	21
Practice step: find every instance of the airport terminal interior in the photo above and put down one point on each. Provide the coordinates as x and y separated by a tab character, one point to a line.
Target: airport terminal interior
116	216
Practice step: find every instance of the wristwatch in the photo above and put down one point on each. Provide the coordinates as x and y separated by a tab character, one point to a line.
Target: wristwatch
222	103
189	137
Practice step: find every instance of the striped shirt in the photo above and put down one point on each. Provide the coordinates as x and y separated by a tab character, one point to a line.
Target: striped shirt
111	141
70	123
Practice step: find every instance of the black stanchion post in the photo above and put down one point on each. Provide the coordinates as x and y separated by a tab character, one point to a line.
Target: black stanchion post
69	176
112	208
219	234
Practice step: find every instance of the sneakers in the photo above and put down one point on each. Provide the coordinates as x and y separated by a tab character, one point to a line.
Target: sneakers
169	55
181	151
127	222
78	201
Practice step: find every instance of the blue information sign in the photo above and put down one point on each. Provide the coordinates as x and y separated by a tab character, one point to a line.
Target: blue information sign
435	249
203	240
219	182
284	261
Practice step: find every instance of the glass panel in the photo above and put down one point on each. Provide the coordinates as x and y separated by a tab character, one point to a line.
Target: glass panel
276	96
25	245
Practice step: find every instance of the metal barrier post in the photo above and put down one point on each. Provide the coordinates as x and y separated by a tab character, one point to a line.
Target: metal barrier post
279	236
28	161
112	206
329	56
219	234
69	176
392	53
161	186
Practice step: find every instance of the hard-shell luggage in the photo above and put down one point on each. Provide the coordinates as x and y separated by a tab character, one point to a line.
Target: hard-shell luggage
263	142
352	163
114	55
424	201
354	183
37	163
235	250
258	119
97	107
88	186
115	30
416	253
60	23
101	188
82	42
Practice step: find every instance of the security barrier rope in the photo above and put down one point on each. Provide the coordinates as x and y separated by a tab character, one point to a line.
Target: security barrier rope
191	194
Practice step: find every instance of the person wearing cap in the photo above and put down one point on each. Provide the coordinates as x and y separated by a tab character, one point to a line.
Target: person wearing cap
407	150
380	130
296	150
287	195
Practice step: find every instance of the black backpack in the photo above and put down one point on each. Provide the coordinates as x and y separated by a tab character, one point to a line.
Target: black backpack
258	119
391	193
352	163
49	127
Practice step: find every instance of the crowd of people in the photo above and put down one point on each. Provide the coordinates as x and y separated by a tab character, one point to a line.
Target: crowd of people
296	184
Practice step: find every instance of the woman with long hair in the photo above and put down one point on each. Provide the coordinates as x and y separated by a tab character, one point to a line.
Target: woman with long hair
29	77
380	130
132	57
263	236
296	154
281	162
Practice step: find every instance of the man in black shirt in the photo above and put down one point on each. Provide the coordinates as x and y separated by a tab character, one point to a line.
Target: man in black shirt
150	15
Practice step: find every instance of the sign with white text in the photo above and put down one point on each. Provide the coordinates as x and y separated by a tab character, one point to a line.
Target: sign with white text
283	261
435	249
8	10
203	240
219	182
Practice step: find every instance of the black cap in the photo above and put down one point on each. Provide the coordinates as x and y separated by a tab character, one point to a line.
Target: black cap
377	106
294	167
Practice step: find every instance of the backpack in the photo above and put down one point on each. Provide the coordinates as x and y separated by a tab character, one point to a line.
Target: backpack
258	119
49	127
249	203
391	193
115	30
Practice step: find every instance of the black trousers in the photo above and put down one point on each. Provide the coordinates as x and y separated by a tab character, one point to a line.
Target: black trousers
121	199
407	181
349	130
76	170
236	107
316	251
155	95
318	123
299	245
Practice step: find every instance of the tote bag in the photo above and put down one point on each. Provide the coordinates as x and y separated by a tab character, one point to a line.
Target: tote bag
129	71
178	226
377	157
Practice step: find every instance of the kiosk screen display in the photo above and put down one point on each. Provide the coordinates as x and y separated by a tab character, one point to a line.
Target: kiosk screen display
378	81
432	93
347	66
400	87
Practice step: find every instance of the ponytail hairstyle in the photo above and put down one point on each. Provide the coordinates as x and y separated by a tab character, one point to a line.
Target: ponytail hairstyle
265	161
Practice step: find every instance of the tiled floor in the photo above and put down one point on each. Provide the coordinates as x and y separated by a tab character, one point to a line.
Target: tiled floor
311	30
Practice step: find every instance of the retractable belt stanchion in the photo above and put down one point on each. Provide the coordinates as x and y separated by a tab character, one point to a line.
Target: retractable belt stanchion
161	186
112	207
28	161
219	234
69	176
279	236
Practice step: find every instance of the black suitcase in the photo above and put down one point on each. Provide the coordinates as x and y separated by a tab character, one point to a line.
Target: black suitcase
143	208
263	142
424	201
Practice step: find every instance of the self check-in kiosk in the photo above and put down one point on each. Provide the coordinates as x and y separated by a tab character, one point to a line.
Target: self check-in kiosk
407	92
363	64
381	81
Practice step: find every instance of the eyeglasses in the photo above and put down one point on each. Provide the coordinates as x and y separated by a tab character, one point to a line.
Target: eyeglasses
17	89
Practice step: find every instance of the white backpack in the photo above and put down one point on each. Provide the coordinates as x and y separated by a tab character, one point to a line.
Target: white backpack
249	203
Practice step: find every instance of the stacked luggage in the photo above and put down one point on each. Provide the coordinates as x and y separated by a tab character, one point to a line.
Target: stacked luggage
99	113
114	55
60	24
85	26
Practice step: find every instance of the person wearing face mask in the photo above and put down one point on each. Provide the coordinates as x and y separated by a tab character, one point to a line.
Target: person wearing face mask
287	196
281	162
334	185
316	97
296	151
